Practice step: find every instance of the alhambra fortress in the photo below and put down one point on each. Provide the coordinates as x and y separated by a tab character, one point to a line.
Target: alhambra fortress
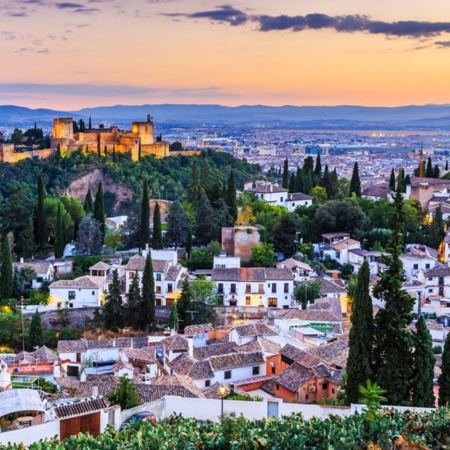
138	142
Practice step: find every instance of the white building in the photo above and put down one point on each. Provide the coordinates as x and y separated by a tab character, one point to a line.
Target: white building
256	286
300	270
337	246
356	258
412	265
44	271
226	262
278	196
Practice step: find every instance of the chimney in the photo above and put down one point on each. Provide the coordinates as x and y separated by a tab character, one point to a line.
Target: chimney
95	391
21	260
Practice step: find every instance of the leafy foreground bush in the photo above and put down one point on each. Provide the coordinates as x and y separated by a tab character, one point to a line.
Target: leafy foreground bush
390	430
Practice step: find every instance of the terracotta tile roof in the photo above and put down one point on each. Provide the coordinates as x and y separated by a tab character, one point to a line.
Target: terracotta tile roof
151	392
267	189
174	272
68	383
201	370
178	380
137	262
439	270
293	264
45	354
270	347
40	267
246	381
226	274
122	365
321	371
142	356
236	360
295	196
77	346
278	274
301	357
252	346
294	377
326	286
202	328
213	350
343	244
256	329
86	282
105	386
175	343
182	364
252	274
335	353
24	357
269	386
377	191
336	376
100	266
80	407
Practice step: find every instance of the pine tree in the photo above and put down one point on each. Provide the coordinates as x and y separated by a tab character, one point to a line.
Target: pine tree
88	203
177	225
285	184
205	179
28	241
6	271
392	181
355	183
393	340
188	243
183	305
424	360
157	241
134	303
318	168
444	377
231	197
112	311
41	222
59	240
172	322
36	334
145	216
17	290
148	295
359	364
429	170
292	183
206	229
99	209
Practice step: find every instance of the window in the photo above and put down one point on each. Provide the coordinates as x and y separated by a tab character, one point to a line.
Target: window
278	387
39	279
248	288
293	204
169	287
307	397
158	289
273	302
70	305
71	295
286	288
233	288
261	288
248	301
227	374
274	288
430	291
93	292
281	199
273	370
333	391
256	370
430	278
131	275
207	383
416	266
338	255
427	266
324	386
220	288
158	277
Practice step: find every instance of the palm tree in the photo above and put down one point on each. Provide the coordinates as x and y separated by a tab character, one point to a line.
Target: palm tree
372	396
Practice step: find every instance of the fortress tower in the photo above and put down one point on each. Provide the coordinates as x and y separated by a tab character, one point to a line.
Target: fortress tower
144	130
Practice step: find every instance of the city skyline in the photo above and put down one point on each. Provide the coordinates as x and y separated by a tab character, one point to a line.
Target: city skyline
86	53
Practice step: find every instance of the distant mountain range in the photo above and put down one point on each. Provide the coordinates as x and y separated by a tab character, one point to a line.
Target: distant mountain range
424	117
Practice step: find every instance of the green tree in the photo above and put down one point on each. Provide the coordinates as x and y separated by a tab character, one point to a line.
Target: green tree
263	255
444	377
17	136
292	183
307	292
285	183
231	198
134	303
36	334
177	225
393	340
6	271
355	183
41	225
112	311
88	202
113	239
70	334
437	228
429	170
188	243
206	229
125	395
17	290
99	210
172	322
148	295
318	168
59	240
319	194
145	216
372	395
359	364
183	305
28	241
89	238
424	361
392	181
157	241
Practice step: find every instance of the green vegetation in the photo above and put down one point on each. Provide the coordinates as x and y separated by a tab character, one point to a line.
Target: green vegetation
389	430
125	395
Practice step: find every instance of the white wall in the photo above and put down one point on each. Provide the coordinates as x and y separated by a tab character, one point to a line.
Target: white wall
83	297
241	373
32	434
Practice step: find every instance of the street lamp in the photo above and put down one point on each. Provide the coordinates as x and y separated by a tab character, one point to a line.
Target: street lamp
222	391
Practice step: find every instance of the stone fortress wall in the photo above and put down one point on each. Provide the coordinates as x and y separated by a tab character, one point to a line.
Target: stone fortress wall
138	141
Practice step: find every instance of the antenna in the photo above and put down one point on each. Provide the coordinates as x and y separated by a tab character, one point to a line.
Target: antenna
192	314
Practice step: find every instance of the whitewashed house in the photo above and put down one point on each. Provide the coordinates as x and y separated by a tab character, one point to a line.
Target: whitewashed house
44	271
301	270
412	265
278	196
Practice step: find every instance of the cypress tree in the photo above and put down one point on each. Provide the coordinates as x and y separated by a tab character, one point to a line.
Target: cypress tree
6	271
88	202
112	311
106	150
318	168
157	241
444	377
406	181
36	334
392	181
429	170
134	301
41	223
145	216
307	181
424	360
183	305
58	151
59	240
359	364
172	322
99	151
188	243
393	340
28	242
292	183
140	150
446	165
114	157
17	290
285	184
206	229
205	179
436	171
90	123
231	197
99	209
177	224
355	183
148	294
299	180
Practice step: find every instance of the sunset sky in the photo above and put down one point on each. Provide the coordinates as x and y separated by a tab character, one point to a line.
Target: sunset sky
81	53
